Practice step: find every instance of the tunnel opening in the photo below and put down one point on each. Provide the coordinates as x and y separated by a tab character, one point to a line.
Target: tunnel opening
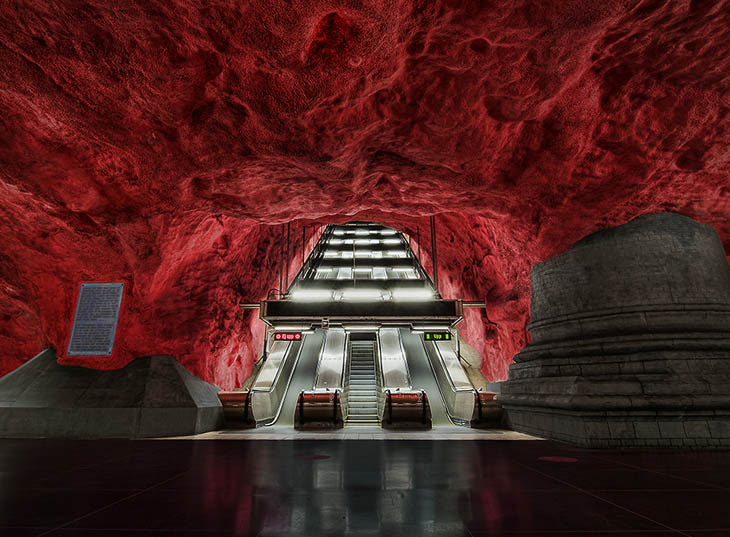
361	336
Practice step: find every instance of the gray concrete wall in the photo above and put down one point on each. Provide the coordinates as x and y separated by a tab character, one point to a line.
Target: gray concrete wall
656	259
151	397
630	332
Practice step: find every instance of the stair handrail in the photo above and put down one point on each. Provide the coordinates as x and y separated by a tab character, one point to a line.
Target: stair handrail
337	401
346	383
380	396
389	406
405	358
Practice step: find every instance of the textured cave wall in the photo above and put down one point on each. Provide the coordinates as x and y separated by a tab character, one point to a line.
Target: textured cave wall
154	142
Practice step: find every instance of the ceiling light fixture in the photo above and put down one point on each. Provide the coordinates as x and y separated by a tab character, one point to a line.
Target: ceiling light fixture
406	295
311	294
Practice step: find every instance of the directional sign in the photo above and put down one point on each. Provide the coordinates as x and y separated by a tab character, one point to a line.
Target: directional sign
288	336
437	336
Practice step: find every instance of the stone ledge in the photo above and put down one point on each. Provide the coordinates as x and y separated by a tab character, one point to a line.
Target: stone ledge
671	320
629	310
150	397
602	429
622	344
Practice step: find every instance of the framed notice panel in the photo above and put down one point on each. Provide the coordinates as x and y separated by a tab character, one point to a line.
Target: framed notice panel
95	322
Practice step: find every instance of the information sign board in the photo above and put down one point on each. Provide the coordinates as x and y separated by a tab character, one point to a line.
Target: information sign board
95	321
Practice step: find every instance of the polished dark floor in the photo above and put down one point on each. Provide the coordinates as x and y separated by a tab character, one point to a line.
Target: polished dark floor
313	488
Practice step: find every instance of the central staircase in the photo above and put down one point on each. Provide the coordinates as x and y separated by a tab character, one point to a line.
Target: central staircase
361	386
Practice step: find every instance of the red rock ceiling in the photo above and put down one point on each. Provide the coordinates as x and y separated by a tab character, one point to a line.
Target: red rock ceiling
157	143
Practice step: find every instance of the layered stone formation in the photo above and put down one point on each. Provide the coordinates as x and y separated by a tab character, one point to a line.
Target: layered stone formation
630	340
162	144
153	396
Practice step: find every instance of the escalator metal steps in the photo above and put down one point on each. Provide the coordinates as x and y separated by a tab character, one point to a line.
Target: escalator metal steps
362	389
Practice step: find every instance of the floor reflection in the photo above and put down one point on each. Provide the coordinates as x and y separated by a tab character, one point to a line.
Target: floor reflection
363	488
368	488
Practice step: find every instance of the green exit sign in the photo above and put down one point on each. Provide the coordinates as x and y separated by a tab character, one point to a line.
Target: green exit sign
437	336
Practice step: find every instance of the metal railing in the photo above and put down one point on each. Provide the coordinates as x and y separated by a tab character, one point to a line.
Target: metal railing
267	392
344	402
456	390
378	378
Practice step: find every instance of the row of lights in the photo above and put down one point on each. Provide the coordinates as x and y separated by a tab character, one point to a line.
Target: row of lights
348	254
368	269
365	232
307	328
362	295
364	241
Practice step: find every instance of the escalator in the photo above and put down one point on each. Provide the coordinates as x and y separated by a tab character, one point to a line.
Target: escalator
314	383
304	371
361	385
422	376
347	342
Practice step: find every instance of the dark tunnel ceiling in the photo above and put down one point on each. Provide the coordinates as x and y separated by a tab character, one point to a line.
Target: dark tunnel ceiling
154	143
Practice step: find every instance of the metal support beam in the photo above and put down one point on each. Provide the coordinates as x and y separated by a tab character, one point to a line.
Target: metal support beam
281	265
288	229
434	254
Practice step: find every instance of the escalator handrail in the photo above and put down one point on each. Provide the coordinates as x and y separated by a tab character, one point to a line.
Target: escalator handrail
409	384
288	384
275	381
438	385
319	360
446	370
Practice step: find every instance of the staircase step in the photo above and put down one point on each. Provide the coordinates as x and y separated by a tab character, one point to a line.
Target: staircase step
367	423
362	407
363	404
361	384
361	412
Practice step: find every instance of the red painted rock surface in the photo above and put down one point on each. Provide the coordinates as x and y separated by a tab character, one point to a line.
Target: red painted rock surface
154	142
